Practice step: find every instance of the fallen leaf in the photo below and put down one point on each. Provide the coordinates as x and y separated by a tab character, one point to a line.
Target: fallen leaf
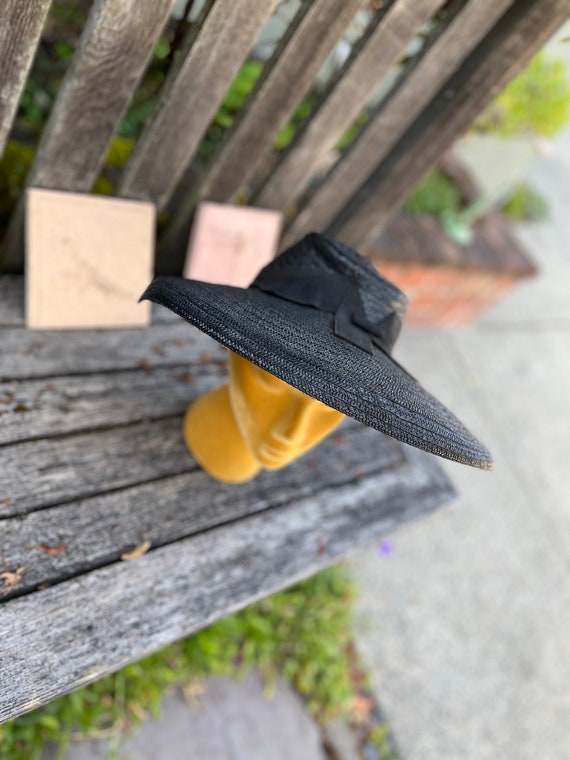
8	580
192	692
33	347
361	708
51	550
138	711
136	552
185	377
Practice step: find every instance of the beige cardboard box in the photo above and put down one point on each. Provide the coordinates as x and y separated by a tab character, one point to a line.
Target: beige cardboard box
88	260
230	244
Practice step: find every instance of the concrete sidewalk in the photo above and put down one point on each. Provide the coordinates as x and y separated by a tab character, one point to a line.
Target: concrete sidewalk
230	720
465	625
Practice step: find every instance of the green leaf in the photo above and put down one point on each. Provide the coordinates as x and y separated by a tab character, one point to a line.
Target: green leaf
162	48
285	136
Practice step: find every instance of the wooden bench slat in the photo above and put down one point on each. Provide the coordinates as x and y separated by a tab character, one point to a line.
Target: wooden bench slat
21	23
98	530
279	93
39	474
43	472
398	27
506	49
191	97
105	619
33	353
62	405
116	45
463	33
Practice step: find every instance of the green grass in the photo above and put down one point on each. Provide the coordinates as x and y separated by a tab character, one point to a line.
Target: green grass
302	634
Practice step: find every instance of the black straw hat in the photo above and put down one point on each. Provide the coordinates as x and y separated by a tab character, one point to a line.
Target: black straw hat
322	319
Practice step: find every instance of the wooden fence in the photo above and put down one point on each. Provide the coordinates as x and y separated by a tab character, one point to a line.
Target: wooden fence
468	50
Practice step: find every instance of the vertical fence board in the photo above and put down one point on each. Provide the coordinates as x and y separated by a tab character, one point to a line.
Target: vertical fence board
278	95
116	45
191	97
523	29
21	23
402	22
454	44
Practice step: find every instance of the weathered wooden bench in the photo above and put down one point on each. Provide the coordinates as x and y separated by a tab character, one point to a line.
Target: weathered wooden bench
93	465
93	468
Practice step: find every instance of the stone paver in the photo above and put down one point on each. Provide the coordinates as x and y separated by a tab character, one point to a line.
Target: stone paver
465	624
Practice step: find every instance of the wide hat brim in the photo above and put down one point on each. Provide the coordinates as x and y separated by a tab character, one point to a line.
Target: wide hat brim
297	344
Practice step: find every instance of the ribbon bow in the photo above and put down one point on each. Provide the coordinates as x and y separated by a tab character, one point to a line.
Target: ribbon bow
334	294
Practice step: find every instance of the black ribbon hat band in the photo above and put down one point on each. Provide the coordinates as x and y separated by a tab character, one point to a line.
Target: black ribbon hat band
334	294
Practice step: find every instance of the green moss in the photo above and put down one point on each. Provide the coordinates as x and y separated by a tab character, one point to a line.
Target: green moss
435	194
536	102
302	634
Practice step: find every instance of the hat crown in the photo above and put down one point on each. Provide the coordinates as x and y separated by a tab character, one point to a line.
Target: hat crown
328	275
318	253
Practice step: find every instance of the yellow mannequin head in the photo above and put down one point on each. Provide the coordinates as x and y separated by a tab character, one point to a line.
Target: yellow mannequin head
256	422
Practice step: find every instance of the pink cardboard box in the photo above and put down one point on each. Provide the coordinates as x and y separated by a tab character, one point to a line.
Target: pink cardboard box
230	244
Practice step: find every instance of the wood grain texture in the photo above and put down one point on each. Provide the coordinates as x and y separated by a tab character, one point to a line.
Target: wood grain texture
116	45
107	618
73	503
508	47
31	409
36	353
392	35
191	97
96	531
463	33
21	23
278	95
37	474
